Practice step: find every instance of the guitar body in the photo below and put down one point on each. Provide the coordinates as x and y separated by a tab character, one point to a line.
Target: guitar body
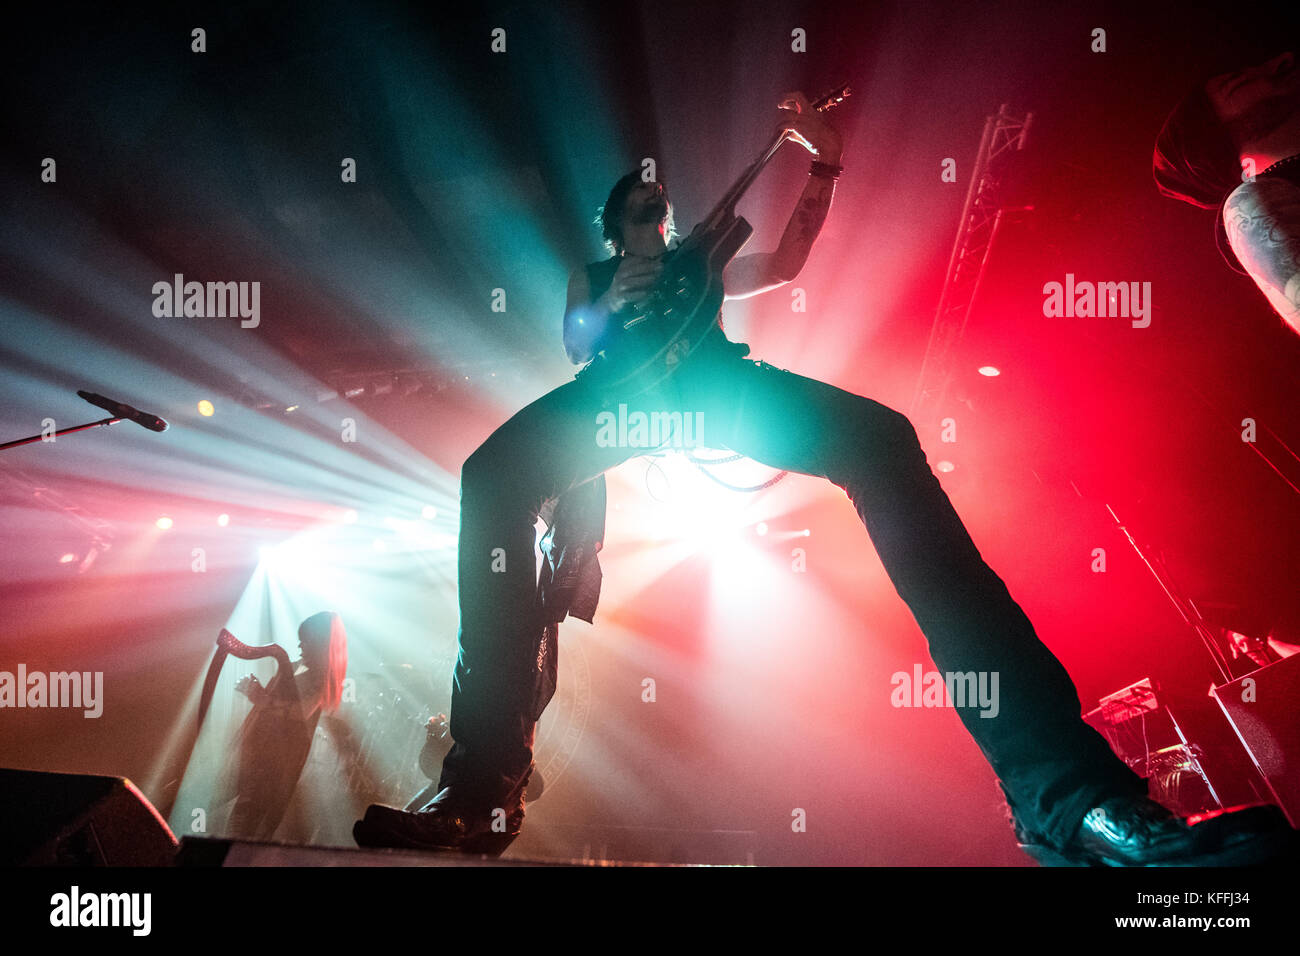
655	337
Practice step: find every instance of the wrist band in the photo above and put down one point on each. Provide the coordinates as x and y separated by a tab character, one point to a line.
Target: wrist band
827	170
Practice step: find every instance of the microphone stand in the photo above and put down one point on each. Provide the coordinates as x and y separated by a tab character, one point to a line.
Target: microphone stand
1192	617
1186	607
61	431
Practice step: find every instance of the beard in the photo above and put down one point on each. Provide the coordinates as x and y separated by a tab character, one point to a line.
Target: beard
652	211
1264	117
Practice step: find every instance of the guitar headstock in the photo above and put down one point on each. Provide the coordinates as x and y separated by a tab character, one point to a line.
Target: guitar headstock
833	98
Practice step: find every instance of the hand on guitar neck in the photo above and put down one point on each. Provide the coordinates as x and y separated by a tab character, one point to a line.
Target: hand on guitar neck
810	128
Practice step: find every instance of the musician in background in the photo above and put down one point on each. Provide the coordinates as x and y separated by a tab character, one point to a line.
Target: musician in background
1248	653
276	736
1243	125
1067	791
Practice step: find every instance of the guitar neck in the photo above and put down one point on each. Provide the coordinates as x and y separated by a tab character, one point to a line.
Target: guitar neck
727	205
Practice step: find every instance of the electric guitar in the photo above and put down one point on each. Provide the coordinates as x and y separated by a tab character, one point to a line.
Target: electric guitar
653	337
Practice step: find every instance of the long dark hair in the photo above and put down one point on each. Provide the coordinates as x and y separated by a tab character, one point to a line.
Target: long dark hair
1195	159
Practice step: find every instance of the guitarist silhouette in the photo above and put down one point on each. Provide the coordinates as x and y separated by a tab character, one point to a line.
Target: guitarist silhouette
648	327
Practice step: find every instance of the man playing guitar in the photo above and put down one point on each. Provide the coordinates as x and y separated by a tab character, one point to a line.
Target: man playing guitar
1068	793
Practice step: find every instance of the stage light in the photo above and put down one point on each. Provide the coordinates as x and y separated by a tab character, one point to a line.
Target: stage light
291	408
67	558
223	519
944	466
164	522
807	532
206	408
350	516
991	371
428	512
285	556
761	528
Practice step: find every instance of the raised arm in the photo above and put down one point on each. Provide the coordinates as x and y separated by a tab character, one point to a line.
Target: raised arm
750	275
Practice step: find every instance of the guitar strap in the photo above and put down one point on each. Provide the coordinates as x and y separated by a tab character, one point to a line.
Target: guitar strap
570	578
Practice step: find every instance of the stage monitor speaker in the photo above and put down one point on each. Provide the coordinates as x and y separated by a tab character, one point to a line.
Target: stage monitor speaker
219	852
70	819
1262	708
210	852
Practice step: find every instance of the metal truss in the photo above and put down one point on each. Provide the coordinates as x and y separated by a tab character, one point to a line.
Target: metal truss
981	218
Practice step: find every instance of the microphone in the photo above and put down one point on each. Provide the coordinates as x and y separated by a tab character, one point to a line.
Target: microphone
119	410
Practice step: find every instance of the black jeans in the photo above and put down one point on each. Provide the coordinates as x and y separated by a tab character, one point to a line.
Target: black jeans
1051	766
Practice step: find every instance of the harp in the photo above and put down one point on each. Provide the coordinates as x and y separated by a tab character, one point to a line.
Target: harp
229	645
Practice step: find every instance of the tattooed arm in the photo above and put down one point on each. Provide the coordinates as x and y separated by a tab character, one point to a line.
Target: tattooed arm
750	275
1262	220
804	226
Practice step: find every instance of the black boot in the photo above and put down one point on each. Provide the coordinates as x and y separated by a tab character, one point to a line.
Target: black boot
1136	831
445	823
